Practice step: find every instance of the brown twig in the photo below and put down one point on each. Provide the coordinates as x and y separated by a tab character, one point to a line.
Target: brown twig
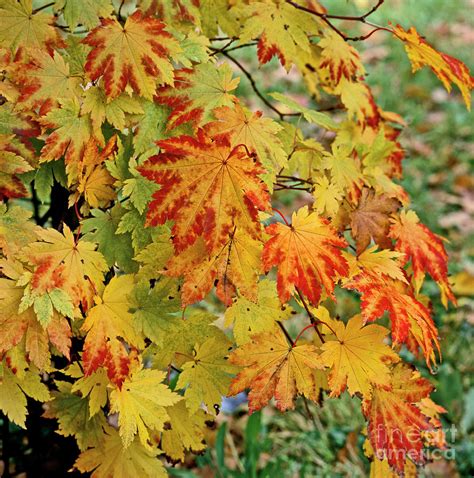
287	335
254	86
326	17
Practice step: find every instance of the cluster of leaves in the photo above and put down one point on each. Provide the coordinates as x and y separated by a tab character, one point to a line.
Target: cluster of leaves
170	181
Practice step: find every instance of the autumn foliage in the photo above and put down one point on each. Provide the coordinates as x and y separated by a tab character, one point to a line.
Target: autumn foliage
154	188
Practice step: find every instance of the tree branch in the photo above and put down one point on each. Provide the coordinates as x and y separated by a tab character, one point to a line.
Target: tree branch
254	85
325	17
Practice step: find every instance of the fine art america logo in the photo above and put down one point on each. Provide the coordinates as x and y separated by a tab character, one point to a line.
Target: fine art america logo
402	437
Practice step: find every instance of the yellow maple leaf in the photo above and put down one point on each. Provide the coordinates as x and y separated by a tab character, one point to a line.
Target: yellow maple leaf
81	266
141	404
358	357
327	196
135	54
112	459
207	375
250	318
448	69
236	266
20	27
339	57
185	431
282	29
275	368
105	323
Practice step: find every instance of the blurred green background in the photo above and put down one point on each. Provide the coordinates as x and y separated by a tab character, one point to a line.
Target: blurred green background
326	441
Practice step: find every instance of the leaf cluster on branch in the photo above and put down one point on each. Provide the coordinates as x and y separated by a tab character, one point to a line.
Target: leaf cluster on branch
137	190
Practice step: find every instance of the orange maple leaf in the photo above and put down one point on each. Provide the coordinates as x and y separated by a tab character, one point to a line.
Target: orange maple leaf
396	423
136	53
448	69
425	250
108	324
275	368
236	265
411	320
307	254
207	188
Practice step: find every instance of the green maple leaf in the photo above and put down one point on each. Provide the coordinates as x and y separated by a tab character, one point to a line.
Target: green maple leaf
74	419
116	248
153	308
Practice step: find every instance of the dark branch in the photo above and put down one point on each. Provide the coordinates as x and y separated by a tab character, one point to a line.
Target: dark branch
326	17
254	85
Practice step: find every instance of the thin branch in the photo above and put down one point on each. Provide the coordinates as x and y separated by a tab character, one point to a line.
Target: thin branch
282	187
253	84
287	335
354	18
43	7
215	51
293	178
326	17
312	318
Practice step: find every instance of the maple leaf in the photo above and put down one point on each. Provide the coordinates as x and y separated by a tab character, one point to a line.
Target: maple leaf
76	264
359	101
257	133
154	308
96	105
310	115
344	170
275	368
381	468
16	230
185	431
235	266
196	93
15	388
111	459
11	164
22	28
93	179
182	335
92	387
411	320
155	255
327	196
425	250
282	30
135	54
307	255
358	357
45	80
250	318
395	422
72	413
141	405
384	262
72	131
448	69
207	188
83	12
371	219
116	248
339	57
206	377
24	330
105	323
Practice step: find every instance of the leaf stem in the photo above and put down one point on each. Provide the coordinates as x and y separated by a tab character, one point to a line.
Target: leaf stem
282	216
